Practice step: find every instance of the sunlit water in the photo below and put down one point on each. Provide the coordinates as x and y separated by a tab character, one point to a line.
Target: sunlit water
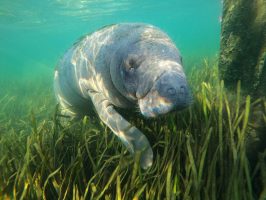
34	34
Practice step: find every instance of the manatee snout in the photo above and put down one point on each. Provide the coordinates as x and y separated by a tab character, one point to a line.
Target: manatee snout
169	92
173	87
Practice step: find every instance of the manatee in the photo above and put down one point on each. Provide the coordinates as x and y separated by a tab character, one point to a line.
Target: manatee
127	65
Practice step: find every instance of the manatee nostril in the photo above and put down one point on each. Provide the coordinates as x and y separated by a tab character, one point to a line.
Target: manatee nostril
171	91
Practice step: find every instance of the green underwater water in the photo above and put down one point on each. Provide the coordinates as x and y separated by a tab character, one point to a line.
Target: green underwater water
34	34
200	153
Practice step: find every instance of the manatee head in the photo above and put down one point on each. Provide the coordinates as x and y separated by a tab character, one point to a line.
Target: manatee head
158	85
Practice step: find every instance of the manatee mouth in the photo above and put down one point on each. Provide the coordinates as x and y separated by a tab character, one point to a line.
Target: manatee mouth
153	105
169	92
151	112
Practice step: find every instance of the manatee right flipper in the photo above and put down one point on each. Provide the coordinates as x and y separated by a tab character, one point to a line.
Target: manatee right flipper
133	139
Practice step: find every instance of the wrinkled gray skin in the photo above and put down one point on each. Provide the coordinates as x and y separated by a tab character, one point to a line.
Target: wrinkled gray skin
123	65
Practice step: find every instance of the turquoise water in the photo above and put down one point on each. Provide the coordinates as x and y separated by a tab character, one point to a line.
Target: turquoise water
34	34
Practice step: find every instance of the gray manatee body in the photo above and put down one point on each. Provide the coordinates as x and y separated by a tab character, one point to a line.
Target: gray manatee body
123	65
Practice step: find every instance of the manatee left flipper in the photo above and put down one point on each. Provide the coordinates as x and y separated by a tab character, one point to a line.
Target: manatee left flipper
132	138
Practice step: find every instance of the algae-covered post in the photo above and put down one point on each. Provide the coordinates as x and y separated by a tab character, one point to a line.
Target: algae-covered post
243	57
243	45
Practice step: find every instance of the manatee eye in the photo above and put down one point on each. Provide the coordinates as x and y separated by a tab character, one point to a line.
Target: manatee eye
131	62
131	65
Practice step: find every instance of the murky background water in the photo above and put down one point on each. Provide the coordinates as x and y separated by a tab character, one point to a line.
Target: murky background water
34	34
